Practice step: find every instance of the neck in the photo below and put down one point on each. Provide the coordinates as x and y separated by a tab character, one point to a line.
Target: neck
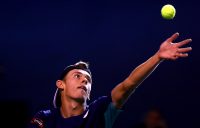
72	107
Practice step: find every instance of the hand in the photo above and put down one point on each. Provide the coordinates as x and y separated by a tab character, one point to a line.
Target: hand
172	51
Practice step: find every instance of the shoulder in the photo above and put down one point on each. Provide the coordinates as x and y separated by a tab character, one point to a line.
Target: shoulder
102	100
100	104
43	113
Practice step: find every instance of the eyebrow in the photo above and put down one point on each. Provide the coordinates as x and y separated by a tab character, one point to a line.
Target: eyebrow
87	76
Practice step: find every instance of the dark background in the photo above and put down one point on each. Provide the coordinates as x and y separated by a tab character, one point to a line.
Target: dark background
39	38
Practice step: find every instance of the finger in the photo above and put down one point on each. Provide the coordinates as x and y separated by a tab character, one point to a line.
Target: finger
184	42
182	55
173	37
181	50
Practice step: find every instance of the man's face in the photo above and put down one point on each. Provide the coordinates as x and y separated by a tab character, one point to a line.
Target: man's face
77	84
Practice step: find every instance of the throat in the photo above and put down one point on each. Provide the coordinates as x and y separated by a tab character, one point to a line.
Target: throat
73	109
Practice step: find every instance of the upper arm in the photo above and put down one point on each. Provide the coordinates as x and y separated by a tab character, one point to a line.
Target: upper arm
121	92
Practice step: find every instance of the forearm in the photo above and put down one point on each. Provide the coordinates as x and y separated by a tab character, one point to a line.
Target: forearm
122	91
140	73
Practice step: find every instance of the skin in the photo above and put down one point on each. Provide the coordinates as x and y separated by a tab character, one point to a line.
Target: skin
74	99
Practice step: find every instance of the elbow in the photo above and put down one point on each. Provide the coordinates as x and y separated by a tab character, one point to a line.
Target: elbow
120	94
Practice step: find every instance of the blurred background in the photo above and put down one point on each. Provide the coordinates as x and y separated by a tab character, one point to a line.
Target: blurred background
39	38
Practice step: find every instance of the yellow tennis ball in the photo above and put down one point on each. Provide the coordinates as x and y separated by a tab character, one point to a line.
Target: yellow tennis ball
168	11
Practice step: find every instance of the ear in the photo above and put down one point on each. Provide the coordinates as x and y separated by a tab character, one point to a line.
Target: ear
59	84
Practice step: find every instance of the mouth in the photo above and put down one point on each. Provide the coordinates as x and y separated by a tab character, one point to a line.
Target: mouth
83	88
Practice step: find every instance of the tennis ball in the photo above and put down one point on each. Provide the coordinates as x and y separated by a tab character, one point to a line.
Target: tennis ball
168	11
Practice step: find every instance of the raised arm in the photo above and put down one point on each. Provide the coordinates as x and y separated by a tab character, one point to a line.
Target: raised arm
168	51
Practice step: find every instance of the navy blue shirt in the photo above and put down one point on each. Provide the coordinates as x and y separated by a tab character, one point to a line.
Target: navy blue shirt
99	114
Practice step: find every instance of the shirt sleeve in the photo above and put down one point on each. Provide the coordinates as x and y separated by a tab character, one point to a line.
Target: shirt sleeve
110	115
104	111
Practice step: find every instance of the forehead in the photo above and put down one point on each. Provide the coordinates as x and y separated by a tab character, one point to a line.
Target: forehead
79	71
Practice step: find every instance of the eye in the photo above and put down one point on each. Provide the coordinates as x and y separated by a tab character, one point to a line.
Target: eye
77	75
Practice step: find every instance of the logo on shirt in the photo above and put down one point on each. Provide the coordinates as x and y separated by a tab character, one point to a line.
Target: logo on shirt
37	121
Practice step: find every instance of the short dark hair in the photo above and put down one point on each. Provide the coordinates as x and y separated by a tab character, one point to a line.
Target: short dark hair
79	65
